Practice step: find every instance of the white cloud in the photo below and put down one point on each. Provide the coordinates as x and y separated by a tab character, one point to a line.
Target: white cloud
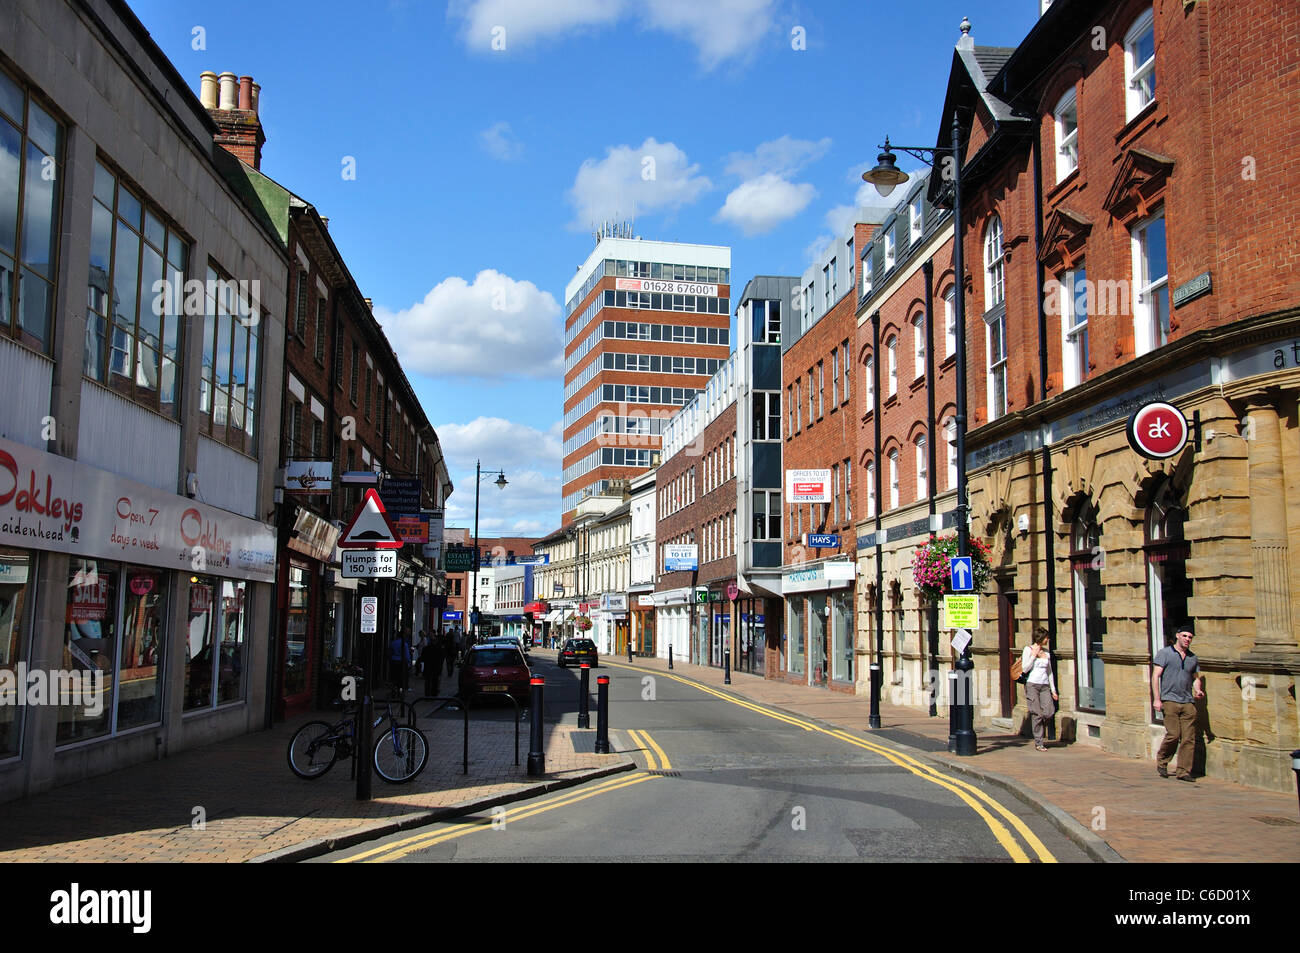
628	182
529	505
501	143
784	157
719	29
525	22
495	328
759	205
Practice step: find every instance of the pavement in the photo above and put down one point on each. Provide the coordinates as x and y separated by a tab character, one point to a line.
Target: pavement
236	801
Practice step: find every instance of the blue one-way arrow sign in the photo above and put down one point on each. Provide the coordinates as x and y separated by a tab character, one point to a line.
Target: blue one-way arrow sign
963	576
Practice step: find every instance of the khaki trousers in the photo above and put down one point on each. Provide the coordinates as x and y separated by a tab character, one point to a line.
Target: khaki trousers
1180	733
1038	698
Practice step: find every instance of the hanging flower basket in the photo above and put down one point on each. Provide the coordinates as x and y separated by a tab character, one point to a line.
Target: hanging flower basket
932	566
582	623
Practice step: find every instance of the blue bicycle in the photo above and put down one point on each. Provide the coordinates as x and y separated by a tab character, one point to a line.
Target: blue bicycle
400	752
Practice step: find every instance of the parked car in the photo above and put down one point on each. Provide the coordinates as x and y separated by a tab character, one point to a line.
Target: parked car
577	651
495	668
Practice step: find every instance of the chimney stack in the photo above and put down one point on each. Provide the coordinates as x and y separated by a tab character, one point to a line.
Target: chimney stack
232	102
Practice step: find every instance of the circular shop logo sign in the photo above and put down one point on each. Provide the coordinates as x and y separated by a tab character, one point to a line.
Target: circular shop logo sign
1157	430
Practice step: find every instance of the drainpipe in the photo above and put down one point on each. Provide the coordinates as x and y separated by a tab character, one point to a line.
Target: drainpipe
1049	534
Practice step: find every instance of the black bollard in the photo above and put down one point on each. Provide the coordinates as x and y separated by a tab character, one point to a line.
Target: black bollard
362	740
629	648
964	740
584	697
536	756
952	711
873	717
726	666
1295	766
670	649
602	714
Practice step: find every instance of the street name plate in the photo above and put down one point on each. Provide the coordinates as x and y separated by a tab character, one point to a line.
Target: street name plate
369	564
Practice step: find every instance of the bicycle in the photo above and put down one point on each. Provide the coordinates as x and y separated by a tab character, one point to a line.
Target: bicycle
399	755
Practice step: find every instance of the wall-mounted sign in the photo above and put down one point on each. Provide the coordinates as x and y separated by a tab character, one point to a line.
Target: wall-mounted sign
613	600
680	557
308	476
807	486
1158	430
412	529
400	494
669	287
1191	290
822	540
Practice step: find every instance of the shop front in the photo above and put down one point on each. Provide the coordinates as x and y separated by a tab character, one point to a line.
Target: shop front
308	621
117	590
818	648
643	623
674	620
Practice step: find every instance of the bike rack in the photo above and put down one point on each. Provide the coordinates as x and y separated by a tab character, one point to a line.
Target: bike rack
464	704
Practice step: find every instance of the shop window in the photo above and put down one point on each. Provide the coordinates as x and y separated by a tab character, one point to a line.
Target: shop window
843	635
796	638
116	632
215	641
17	585
297	630
1087	559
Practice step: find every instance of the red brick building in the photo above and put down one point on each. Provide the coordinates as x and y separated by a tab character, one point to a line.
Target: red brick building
1128	242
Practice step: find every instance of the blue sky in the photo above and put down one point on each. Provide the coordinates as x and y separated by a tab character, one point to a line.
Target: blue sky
487	135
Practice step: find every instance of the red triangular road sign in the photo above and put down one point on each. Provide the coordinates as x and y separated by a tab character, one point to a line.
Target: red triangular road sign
370	527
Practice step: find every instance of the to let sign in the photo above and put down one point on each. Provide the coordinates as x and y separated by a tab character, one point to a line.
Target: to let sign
1157	430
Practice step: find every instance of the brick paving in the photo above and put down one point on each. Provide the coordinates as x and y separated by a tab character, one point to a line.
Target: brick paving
256	809
1120	799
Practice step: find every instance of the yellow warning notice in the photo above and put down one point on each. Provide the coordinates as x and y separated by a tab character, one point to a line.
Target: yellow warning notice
961	611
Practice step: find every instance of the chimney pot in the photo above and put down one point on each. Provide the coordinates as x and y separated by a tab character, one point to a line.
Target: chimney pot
208	89
325	221
246	92
369	303
228	95
257	90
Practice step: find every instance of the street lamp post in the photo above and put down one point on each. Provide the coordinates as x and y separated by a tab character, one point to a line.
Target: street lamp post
885	176
501	482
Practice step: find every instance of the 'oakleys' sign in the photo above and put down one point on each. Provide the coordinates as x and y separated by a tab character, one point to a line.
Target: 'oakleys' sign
53	503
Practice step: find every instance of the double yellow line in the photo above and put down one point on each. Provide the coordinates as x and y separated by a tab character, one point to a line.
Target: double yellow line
977	800
643	741
401	848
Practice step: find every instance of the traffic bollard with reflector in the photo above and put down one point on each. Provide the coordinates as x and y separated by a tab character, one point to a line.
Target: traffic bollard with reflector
536	756
584	697
602	714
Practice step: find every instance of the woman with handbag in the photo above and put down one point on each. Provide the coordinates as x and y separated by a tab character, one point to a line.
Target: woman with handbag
1040	685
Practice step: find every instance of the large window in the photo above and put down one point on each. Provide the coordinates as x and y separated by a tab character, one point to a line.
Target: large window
767	515
1168	587
796	636
1140	64
766	316
133	324
228	390
1066	120
31	155
1151	268
1073	290
767	415
116	632
17	586
1086	563
995	328
995	291
215	642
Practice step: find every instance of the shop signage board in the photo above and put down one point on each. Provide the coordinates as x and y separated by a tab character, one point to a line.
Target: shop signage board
52	503
961	611
369	564
808	486
459	559
312	535
822	540
369	615
1158	430
308	476
412	529
613	600
733	591
370	527
401	494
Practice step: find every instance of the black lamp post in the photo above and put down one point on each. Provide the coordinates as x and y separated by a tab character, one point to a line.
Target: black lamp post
885	176
501	482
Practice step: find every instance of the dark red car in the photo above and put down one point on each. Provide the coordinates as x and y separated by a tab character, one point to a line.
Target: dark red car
496	669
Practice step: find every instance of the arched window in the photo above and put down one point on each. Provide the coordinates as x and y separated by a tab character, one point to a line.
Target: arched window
1168	587
1087	559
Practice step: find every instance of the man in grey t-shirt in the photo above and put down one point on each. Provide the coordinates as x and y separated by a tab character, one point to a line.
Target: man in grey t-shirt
1176	685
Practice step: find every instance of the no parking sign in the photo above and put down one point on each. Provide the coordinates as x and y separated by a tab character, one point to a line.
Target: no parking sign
369	615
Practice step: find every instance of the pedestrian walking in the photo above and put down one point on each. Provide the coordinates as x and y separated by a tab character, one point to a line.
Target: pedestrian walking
399	658
453	648
421	642
431	660
1040	686
1176	685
